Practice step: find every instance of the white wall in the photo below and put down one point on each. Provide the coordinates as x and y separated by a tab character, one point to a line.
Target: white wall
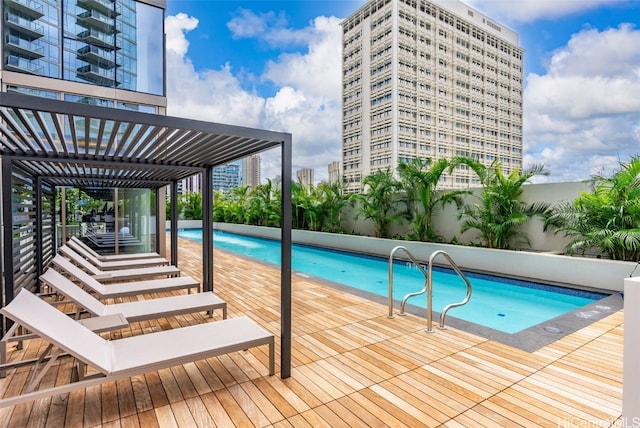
630	366
447	225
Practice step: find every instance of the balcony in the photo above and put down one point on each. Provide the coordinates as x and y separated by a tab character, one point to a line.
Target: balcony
95	20
23	48
23	26
105	7
30	8
97	56
23	65
98	75
94	37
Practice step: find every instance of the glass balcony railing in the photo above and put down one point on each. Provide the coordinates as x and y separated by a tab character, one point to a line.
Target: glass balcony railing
99	75
30	8
106	7
95	37
92	19
24	26
23	47
24	65
98	56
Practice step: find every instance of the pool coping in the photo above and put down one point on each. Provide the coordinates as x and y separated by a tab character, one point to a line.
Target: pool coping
530	339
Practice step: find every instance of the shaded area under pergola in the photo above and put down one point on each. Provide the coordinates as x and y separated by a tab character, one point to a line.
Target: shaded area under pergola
49	143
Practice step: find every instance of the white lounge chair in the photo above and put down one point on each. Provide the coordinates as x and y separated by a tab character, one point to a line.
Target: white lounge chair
133	311
122	289
112	257
117	264
139	310
126	357
117	275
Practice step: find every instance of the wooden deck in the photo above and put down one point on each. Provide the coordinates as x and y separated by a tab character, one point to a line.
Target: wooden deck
351	367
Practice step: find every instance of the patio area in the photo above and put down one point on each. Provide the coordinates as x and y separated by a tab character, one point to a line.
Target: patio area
352	366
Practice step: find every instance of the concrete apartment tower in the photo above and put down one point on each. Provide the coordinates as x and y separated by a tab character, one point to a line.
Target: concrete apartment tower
251	171
100	52
429	79
305	176
335	172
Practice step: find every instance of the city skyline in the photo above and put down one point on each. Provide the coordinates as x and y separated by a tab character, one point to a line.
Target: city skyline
277	65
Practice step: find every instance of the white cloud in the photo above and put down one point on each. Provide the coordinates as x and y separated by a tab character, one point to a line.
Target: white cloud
175	28
307	105
583	115
532	10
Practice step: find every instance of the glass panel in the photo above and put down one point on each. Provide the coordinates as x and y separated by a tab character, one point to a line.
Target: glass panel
100	215
136	222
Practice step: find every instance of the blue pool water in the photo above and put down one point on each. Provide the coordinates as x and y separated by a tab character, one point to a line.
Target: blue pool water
499	303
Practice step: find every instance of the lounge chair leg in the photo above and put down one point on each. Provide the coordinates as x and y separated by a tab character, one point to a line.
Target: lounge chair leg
272	358
3	347
35	380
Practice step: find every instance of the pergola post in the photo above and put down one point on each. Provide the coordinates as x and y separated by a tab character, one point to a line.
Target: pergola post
285	265
174	223
207	229
7	236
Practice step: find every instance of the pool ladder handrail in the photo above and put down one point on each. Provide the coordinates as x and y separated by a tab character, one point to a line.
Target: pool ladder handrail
428	288
415	262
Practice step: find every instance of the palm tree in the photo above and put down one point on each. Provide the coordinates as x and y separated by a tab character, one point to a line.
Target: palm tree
608	218
192	205
420	177
335	198
380	200
263	207
499	211
307	206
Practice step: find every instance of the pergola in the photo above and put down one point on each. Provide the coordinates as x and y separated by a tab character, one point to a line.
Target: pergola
48	143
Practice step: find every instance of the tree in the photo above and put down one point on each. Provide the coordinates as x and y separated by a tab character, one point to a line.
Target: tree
192	205
306	206
499	212
335	199
607	219
420	177
380	201
263	205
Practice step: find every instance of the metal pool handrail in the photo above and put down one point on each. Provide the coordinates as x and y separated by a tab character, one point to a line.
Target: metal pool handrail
416	263
443	314
428	287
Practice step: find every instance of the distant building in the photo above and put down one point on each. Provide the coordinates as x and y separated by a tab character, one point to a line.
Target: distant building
226	177
421	79
251	171
335	172
305	176
191	184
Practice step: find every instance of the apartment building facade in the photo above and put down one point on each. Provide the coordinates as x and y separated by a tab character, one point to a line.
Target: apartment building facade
334	170
251	171
429	79
100	52
305	176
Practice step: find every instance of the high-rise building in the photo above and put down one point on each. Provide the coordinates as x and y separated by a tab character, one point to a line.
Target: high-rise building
429	79
251	171
100	52
305	176
335	172
226	177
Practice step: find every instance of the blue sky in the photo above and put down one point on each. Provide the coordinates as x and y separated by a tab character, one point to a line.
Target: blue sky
276	65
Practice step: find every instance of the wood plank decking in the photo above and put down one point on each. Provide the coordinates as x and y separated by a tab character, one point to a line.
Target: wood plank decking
351	367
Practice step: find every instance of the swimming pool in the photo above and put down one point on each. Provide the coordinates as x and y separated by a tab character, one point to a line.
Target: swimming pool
498	303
